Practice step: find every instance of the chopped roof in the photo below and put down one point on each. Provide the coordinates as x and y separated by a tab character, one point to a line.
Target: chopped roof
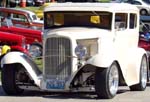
91	7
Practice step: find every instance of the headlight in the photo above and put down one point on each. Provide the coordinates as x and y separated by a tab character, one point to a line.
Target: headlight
35	50
86	48
81	51
5	49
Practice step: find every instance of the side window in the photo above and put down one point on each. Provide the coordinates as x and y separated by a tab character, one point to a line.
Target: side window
121	21
19	17
133	21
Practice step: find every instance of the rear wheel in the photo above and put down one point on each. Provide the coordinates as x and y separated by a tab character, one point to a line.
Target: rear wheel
143	12
9	79
143	76
107	81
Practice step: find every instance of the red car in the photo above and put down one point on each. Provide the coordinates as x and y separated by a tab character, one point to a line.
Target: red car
16	42
22	18
33	37
143	43
145	28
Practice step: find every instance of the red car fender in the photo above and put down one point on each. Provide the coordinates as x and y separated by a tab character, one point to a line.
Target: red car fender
19	48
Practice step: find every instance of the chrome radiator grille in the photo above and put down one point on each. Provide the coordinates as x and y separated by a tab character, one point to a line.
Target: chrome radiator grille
57	58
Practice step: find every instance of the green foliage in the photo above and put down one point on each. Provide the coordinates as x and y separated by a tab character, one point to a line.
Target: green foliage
39	63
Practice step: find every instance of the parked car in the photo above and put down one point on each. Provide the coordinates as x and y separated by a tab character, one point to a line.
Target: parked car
85	50
144	25
33	37
143	5
22	18
16	42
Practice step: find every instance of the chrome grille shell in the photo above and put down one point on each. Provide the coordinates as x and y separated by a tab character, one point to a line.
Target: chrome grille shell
57	58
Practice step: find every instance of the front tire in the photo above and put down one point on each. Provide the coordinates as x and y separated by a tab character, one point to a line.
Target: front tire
143	76
9	80
107	81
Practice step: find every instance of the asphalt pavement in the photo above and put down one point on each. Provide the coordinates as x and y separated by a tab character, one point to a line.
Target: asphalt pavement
123	95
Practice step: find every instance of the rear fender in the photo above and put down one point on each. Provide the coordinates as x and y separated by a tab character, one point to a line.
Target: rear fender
133	68
25	61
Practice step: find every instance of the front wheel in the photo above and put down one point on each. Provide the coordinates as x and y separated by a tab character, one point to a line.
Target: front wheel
107	81
9	80
143	76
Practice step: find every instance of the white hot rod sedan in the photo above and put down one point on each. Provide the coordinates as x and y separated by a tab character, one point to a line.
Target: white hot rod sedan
87	47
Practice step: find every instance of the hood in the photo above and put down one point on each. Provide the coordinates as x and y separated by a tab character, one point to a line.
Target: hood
4	36
78	32
11	39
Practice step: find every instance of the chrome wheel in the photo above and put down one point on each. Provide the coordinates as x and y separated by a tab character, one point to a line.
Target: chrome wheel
107	81
113	80
144	72
143	76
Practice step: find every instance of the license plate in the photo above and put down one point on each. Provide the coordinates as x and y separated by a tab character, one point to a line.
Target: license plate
55	84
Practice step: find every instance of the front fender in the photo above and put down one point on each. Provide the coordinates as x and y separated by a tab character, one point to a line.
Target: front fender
26	61
19	48
102	60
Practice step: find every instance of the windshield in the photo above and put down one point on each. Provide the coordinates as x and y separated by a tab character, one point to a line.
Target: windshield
84	19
